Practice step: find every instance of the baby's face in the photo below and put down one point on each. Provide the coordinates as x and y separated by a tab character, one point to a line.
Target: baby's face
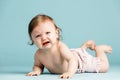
44	35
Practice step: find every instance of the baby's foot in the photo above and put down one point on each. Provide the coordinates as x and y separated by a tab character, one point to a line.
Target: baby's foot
89	44
105	48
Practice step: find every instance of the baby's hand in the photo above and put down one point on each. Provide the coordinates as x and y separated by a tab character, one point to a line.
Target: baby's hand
66	75
33	73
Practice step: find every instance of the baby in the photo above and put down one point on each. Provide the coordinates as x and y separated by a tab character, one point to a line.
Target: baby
54	55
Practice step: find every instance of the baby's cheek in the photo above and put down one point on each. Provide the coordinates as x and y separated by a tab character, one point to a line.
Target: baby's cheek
38	44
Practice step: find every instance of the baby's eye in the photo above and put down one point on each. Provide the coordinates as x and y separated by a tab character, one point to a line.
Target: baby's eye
47	32
37	36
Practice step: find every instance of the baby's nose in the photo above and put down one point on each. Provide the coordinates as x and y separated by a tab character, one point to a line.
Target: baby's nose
44	37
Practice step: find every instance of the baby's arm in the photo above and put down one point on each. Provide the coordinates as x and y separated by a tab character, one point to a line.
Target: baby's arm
72	61
36	71
37	68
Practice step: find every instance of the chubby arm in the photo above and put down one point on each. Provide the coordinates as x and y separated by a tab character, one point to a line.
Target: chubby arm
71	59
37	68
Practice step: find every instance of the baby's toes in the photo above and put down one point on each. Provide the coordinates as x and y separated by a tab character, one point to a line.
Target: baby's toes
108	49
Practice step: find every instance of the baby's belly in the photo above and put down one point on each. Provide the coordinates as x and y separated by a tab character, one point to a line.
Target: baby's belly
58	68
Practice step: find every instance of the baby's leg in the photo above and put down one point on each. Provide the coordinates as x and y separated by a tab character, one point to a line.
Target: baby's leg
101	53
89	44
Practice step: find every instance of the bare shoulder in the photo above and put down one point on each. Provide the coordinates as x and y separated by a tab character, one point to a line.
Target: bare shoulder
62	45
37	53
65	51
37	58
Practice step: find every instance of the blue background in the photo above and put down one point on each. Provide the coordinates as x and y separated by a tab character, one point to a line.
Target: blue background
80	20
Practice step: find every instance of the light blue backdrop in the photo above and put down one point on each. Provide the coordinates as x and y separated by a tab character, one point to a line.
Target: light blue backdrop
80	21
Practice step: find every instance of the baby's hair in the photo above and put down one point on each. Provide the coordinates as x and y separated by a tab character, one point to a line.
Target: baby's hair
39	19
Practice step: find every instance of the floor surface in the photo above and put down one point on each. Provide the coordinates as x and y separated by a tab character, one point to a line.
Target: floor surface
18	73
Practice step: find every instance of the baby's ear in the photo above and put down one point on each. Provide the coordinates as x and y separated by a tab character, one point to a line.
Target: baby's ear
57	31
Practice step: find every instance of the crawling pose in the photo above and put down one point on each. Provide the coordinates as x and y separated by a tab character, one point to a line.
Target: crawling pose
57	57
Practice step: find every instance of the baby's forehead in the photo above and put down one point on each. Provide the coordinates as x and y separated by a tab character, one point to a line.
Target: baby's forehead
47	24
42	27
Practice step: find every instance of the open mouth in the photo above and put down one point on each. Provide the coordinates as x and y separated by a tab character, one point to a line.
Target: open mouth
45	43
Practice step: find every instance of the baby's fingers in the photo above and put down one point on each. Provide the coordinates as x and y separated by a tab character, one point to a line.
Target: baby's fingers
31	74
65	76
35	75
